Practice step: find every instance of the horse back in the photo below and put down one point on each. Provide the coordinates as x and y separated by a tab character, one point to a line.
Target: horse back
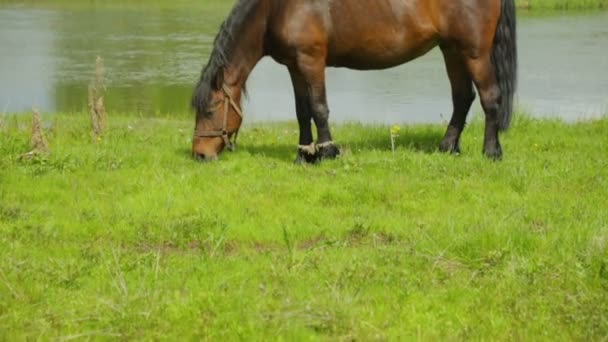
377	34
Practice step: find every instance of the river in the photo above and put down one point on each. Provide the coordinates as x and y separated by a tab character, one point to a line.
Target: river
153	57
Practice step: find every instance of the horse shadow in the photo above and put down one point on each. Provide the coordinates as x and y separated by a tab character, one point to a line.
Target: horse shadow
425	140
282	152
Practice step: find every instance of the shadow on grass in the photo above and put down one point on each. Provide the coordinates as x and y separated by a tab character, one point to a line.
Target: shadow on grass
184	152
425	141
282	152
418	140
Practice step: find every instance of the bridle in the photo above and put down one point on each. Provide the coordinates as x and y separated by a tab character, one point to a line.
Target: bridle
223	133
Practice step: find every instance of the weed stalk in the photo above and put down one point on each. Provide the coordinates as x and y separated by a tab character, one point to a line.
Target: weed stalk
97	110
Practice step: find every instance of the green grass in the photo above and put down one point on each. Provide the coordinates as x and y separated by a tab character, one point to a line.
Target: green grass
130	238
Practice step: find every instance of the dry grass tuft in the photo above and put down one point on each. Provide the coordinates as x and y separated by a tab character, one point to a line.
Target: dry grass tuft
40	145
97	110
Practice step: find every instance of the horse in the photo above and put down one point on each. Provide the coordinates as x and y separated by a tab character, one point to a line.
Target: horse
477	39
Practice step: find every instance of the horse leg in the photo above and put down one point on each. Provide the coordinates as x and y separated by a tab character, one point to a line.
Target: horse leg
306	149
326	149
483	75
313	70
463	96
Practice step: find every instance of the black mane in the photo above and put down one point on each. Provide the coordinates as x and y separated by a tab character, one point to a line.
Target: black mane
224	47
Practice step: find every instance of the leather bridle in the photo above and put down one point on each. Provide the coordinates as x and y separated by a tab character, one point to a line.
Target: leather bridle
223	133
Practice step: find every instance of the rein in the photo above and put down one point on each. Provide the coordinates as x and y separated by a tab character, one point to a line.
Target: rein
223	133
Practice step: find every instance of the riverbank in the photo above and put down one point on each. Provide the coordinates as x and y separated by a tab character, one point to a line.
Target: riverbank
561	4
225	5
129	237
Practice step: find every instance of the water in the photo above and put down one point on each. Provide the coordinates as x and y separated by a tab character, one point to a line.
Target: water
153	57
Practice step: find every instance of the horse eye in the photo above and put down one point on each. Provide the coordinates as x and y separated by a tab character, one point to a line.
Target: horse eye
213	106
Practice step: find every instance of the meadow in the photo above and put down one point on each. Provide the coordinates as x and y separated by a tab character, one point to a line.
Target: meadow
127	237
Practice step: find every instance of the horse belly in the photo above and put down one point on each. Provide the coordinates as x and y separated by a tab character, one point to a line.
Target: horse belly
380	54
381	36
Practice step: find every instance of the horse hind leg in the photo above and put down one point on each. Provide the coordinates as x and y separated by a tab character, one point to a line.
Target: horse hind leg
482	72
463	96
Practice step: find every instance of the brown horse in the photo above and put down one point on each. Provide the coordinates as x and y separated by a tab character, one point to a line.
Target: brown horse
476	37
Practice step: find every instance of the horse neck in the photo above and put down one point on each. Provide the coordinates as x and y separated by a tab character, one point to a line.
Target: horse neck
249	46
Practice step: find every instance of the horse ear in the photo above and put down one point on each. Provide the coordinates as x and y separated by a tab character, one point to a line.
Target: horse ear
219	80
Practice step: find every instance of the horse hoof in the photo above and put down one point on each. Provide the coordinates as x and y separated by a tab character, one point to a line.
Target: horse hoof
304	157
451	148
327	151
493	154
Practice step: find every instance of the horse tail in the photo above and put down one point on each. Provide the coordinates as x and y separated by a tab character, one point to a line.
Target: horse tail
504	59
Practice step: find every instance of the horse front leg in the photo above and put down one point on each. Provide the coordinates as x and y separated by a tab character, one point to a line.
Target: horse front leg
306	148
325	146
313	70
308	78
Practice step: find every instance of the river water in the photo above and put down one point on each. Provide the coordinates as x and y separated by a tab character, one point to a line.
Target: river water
153	57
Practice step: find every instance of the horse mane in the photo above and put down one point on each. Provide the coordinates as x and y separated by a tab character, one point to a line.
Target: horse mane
224	48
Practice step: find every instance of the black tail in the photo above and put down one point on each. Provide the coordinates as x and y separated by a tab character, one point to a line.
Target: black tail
504	59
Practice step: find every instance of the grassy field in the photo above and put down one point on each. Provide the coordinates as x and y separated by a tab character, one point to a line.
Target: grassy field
130	238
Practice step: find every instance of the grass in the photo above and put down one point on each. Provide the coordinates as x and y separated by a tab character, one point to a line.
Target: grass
130	238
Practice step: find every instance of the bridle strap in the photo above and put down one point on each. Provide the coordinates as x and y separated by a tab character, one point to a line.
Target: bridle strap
223	133
228	94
